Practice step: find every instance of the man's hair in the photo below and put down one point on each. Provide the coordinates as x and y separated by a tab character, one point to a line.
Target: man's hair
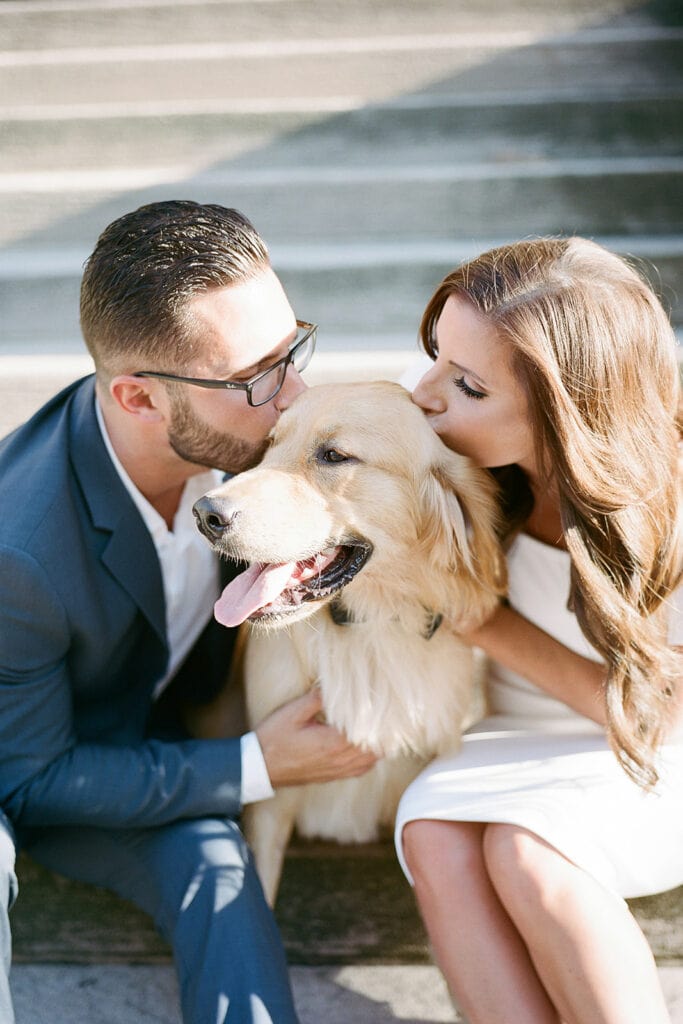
146	267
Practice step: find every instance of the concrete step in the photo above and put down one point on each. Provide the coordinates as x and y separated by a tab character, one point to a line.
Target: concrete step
364	296
375	68
336	905
37	24
627	195
449	129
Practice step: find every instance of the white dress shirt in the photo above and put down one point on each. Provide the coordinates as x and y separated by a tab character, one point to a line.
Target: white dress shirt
189	571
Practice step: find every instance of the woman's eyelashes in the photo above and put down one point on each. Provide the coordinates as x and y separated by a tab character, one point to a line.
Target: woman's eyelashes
461	383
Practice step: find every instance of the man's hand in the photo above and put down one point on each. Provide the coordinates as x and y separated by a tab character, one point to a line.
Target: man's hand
297	748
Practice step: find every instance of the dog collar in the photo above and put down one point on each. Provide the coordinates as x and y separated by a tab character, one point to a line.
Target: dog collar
341	616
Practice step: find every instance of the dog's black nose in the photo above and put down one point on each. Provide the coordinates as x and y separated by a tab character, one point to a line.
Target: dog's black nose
214	517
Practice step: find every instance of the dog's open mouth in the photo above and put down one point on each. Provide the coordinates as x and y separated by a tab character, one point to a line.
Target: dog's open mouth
273	590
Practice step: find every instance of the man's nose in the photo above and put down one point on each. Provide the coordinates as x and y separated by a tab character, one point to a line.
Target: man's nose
215	516
293	386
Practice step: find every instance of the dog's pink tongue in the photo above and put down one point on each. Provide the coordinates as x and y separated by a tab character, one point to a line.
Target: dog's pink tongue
252	589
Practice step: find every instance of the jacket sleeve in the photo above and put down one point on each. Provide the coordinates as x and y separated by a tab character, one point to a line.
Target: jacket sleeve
48	777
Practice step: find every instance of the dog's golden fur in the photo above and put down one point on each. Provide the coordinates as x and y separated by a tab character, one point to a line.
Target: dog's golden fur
430	519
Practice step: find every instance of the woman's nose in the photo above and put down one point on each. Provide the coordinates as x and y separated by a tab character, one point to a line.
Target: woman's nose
426	393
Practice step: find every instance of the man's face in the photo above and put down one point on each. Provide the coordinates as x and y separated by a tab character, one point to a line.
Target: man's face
239	331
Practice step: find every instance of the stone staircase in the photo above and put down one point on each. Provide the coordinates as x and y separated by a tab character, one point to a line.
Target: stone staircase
375	145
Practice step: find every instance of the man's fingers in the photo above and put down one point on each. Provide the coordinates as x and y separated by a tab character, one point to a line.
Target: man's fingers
309	705
298	748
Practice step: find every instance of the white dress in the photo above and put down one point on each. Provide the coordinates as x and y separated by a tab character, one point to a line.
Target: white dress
536	763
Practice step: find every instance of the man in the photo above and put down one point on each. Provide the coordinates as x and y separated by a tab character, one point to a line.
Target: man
106	596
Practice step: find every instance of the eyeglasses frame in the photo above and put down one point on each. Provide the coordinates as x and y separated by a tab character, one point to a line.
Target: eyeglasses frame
247	385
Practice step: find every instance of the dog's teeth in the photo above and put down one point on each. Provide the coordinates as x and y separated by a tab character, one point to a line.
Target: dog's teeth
315	565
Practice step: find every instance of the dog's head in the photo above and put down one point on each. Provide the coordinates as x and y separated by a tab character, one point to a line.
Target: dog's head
356	491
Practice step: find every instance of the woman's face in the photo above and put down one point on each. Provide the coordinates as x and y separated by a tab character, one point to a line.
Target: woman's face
471	396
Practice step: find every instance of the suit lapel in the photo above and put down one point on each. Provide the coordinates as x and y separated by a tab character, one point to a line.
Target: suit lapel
129	554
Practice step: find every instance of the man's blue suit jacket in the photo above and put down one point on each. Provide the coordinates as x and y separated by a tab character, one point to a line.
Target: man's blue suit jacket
82	642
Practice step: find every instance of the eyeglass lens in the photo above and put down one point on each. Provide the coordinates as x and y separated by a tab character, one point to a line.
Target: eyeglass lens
267	386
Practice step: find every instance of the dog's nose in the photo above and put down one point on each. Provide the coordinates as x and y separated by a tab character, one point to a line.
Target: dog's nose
214	517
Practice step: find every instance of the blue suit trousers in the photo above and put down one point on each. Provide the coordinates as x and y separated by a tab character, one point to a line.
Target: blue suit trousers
196	879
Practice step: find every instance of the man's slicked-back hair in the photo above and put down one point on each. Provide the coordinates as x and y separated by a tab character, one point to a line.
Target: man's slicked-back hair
146	267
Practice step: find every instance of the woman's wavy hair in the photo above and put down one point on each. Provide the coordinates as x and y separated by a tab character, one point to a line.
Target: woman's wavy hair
596	355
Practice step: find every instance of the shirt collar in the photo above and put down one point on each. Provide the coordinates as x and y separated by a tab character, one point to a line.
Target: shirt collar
194	488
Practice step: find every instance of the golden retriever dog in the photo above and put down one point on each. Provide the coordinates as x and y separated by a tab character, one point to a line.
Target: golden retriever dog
368	543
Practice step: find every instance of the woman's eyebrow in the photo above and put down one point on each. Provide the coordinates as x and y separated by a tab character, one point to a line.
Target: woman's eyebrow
470	373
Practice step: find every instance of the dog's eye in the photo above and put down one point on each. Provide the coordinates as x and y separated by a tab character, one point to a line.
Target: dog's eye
332	455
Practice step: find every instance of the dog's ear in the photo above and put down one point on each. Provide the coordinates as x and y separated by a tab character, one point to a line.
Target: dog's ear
460	520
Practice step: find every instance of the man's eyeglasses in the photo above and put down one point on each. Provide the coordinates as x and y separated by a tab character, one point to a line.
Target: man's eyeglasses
266	384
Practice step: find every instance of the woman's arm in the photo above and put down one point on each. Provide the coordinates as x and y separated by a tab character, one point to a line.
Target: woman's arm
516	643
523	648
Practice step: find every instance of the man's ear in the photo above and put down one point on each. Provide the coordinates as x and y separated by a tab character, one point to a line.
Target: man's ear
139	396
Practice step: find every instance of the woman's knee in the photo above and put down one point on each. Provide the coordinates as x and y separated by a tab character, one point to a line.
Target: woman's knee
436	851
523	868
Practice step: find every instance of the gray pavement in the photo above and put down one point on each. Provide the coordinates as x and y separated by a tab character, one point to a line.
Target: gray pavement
117	994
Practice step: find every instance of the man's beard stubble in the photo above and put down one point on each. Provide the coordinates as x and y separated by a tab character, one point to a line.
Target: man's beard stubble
196	442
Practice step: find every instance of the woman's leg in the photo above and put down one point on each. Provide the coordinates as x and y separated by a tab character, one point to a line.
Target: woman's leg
478	948
587	948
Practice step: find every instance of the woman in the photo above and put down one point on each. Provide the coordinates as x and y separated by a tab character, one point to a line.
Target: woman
554	366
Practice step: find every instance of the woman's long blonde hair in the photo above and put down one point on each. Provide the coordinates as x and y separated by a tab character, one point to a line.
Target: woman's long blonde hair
596	354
